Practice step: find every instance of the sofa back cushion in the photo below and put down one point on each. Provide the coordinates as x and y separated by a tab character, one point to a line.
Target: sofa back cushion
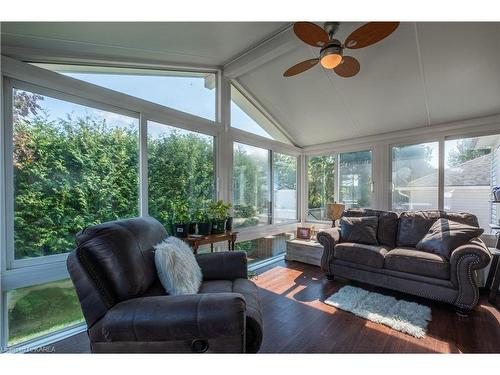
362	230
414	225
119	257
387	224
445	235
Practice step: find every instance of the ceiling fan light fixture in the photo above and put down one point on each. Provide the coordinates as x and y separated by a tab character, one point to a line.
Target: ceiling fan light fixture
331	56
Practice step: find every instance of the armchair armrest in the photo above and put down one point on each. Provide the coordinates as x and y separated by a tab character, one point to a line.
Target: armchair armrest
464	260
174	318
227	265
328	238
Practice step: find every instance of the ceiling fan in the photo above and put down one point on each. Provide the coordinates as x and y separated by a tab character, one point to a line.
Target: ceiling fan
331	55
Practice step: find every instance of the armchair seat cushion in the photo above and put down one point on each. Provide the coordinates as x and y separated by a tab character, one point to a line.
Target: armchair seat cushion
418	263
368	255
171	318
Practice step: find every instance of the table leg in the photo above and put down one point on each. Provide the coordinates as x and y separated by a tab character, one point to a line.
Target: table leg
232	244
195	249
495	283
493	267
211	247
229	245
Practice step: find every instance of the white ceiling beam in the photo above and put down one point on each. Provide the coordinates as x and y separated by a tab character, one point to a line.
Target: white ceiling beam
267	50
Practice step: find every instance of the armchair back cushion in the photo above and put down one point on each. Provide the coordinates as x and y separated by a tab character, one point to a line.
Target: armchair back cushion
119	256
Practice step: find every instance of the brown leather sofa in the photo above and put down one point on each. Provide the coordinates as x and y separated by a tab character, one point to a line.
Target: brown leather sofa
128	311
396	264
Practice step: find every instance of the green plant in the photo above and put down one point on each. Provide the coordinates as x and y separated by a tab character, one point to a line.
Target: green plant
180	212
198	216
243	210
218	210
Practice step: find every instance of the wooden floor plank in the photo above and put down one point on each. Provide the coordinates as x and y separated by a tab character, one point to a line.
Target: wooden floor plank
296	320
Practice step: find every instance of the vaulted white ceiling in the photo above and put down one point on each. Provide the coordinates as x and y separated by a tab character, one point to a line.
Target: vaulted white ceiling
199	43
421	75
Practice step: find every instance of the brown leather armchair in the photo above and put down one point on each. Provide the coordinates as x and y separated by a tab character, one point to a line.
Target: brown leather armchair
127	309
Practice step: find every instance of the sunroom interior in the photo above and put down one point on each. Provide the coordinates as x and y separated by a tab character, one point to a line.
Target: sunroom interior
107	121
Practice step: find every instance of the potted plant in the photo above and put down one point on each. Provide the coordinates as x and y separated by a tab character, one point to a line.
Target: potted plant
218	212
204	224
180	218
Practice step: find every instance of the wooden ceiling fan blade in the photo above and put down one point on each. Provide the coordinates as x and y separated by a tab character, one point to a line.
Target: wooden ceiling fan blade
369	34
300	67
349	67
311	34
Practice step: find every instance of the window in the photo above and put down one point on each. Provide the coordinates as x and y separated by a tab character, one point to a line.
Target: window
265	247
181	170
321	186
285	188
471	167
355	179
189	92
74	166
251	188
245	116
42	309
415	177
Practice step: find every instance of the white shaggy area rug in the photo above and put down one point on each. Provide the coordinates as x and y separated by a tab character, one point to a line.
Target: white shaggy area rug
408	317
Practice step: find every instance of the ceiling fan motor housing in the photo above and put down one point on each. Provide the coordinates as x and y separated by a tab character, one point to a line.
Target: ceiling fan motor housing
334	47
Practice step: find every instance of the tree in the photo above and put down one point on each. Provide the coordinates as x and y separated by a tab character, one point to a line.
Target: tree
77	171
321	183
465	151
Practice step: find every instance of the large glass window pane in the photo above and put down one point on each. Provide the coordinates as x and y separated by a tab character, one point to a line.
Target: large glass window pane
245	116
265	247
355	179
181	170
250	185
321	186
472	167
74	166
189	92
285	188
415	177
42	309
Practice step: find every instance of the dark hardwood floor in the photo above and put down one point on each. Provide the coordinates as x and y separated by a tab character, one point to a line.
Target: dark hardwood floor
297	321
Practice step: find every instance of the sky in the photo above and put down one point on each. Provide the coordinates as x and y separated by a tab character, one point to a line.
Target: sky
187	94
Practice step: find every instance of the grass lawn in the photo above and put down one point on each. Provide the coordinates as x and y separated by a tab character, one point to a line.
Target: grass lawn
42	309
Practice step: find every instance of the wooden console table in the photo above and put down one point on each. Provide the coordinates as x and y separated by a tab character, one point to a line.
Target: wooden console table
195	242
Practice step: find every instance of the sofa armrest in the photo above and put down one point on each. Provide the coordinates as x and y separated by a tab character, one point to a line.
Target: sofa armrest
227	265
464	260
174	318
328	238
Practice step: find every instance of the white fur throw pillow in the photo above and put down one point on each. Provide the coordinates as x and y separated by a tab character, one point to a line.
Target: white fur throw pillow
178	271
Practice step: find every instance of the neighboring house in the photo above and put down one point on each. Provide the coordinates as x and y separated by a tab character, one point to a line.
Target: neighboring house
467	189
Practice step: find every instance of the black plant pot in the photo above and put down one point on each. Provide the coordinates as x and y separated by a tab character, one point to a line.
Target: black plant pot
192	228
229	223
205	228
218	226
181	230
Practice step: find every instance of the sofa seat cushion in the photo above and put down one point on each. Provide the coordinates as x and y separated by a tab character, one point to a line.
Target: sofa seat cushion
369	255
417	262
